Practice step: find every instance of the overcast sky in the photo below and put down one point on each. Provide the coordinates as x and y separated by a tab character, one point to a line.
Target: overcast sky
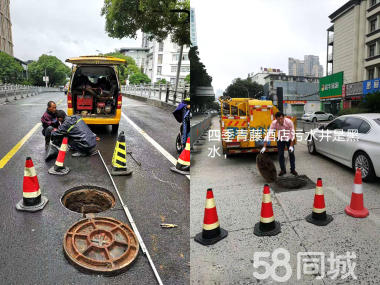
238	37
68	28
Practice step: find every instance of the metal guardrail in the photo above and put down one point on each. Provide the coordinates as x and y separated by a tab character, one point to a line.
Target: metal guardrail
160	92
15	92
199	129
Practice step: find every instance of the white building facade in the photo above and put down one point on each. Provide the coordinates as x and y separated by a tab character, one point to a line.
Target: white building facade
162	60
139	54
259	77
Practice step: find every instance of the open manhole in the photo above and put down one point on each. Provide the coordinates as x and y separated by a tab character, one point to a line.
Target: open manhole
88	199
292	183
101	244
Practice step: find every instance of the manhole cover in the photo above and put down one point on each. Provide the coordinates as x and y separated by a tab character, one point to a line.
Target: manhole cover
88	199
292	183
101	244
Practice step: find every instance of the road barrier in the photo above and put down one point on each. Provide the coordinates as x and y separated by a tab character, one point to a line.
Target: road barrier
160	92
198	129
9	93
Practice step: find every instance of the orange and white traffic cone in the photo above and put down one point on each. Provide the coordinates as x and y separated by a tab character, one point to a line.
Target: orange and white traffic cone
356	208
183	162
59	168
32	200
267	225
319	217
212	232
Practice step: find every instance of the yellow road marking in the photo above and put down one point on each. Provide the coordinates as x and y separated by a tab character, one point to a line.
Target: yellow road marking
15	149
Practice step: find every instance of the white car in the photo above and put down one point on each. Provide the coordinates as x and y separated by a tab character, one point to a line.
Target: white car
337	141
317	116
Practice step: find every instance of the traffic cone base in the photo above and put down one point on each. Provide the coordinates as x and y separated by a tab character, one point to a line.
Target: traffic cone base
22	207
212	232
207	239
119	158
319	216
120	172
60	171
267	229
183	172
356	208
321	219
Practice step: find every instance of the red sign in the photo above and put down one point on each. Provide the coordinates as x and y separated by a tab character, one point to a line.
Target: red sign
295	101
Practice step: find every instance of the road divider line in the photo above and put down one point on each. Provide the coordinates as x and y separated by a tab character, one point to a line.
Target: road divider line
157	146
15	149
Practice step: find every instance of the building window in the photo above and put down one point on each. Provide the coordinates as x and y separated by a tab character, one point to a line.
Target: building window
159	70
371	50
373	3
159	60
185	56
161	46
172	80
371	73
185	68
175	57
372	25
174	68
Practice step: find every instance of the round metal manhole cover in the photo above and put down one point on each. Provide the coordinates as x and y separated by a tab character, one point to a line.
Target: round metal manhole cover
101	244
88	199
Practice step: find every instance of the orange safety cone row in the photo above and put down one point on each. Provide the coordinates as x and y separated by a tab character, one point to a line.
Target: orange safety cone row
212	232
356	208
319	217
267	225
183	162
32	200
59	168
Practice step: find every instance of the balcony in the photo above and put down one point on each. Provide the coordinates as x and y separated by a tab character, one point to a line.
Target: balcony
331	40
330	57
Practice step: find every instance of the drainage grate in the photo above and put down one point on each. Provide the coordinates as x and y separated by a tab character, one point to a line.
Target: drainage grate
88	199
292	183
101	244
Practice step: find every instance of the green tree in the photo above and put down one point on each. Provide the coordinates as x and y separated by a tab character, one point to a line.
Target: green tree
138	78
244	88
371	102
159	19
162	81
187	79
11	70
55	69
199	77
125	70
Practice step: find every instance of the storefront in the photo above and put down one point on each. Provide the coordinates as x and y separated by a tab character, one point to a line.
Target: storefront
352	94
371	86
330	93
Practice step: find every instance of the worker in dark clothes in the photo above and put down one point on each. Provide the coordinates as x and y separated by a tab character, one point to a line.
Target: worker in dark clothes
81	139
49	121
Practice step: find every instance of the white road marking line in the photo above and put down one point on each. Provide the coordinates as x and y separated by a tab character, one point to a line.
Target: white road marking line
345	198
167	155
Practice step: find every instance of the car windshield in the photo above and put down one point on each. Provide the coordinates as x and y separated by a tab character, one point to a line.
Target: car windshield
377	121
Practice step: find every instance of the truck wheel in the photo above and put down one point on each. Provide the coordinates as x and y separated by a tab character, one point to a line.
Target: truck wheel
115	128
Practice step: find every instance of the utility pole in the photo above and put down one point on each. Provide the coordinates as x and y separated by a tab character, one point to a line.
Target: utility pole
178	70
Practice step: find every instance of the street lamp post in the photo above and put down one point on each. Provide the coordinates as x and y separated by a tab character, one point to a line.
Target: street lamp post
49	52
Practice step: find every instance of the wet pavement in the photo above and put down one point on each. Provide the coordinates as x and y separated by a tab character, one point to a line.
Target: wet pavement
31	243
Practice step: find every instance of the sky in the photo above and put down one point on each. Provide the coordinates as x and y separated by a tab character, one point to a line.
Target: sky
67	28
238	37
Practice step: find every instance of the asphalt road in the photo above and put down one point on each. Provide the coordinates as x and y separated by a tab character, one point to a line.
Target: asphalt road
238	188
31	243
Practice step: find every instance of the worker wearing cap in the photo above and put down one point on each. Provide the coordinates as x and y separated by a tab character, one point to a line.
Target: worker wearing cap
285	130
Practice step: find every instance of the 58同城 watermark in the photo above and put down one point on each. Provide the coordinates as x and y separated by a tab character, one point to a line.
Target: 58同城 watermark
267	265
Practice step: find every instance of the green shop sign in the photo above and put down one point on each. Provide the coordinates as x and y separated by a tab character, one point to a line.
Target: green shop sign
331	86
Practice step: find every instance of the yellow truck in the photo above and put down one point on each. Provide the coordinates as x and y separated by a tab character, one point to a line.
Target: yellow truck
244	123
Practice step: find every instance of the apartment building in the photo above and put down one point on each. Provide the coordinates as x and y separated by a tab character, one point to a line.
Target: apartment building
139	54
353	41
308	67
162	60
6	44
260	76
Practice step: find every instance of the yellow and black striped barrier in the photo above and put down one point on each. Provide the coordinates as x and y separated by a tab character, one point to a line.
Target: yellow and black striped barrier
119	158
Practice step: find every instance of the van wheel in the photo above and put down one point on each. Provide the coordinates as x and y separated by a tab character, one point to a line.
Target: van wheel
115	128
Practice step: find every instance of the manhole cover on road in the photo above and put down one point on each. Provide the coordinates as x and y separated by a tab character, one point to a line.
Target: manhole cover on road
88	199
292	183
101	244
